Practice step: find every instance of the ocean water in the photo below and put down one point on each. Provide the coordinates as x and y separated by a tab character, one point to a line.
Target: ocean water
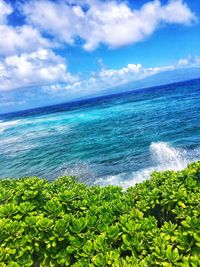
117	140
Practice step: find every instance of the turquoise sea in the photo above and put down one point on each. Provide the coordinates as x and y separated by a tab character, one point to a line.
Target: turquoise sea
117	139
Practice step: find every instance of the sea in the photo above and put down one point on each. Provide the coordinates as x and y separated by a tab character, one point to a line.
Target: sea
111	140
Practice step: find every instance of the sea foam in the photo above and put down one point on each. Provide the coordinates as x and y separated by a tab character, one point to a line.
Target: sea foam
163	156
8	124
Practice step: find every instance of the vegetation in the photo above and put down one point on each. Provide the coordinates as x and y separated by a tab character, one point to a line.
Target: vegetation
65	223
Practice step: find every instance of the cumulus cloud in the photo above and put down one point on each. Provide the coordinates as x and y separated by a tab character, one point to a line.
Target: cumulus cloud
110	78
104	22
5	10
34	69
27	58
94	22
104	79
189	61
20	39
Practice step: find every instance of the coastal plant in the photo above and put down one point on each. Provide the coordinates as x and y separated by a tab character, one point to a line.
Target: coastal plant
67	223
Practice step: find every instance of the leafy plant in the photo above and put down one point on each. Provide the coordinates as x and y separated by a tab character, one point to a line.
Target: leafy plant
66	223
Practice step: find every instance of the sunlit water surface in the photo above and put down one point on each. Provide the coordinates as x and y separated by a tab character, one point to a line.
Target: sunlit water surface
110	140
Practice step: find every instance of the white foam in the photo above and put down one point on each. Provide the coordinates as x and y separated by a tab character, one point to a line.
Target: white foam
10	146
168	157
163	156
8	124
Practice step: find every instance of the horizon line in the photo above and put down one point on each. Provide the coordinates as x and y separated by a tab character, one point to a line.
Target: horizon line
94	98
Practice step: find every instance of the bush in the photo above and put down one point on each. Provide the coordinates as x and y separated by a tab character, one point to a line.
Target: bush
66	223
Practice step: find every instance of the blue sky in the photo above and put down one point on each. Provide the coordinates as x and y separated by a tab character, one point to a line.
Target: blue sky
58	51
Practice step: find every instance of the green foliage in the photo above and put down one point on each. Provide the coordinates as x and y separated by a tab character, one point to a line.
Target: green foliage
66	223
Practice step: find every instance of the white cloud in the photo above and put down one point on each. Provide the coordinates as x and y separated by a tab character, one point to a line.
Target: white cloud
28	61
106	78
189	61
26	56
5	10
20	39
34	69
177	12
110	78
183	62
109	22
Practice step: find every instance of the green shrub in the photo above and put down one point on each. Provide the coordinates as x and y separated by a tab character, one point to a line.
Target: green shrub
66	223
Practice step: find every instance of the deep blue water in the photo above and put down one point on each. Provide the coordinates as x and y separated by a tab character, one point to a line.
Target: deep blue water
118	139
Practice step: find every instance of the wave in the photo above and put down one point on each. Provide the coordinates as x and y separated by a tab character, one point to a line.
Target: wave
8	124
44	131
10	150
163	157
168	157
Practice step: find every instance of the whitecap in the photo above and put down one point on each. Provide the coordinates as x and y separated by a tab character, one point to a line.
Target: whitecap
163	157
168	157
8	124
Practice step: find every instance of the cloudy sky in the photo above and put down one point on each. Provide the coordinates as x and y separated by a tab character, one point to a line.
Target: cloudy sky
57	51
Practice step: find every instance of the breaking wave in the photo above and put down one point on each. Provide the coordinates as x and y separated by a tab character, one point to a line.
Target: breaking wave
8	124
163	157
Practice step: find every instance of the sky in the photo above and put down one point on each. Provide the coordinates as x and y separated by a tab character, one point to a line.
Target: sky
58	51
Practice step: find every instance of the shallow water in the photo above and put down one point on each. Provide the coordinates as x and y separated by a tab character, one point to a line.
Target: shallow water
118	139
